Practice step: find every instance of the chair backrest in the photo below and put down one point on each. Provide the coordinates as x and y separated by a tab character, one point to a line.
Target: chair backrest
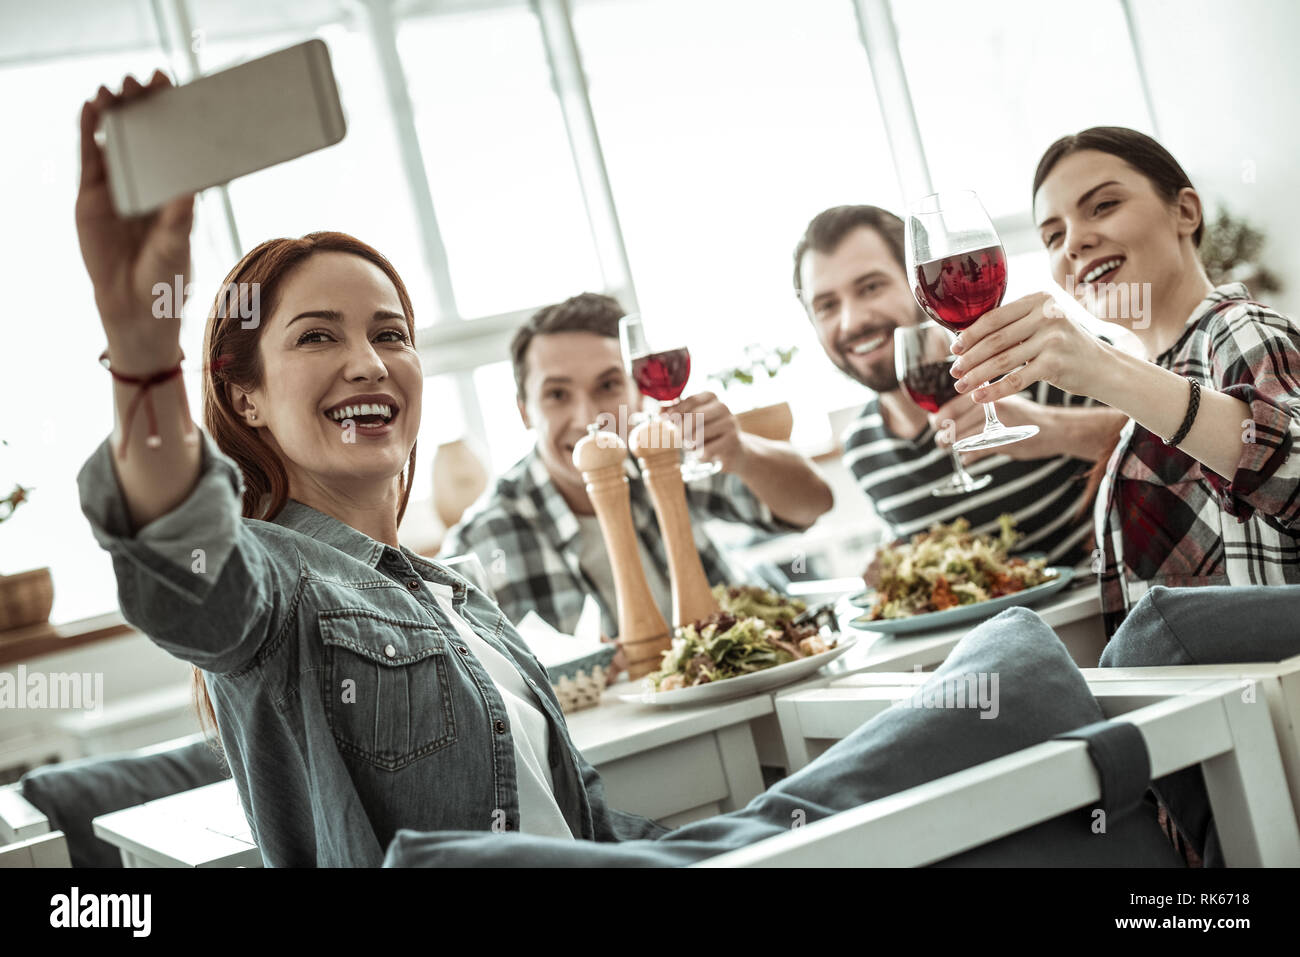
45	850
1277	683
71	795
19	818
1183	721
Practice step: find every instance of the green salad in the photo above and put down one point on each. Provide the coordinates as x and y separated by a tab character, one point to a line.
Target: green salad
754	630
746	601
947	566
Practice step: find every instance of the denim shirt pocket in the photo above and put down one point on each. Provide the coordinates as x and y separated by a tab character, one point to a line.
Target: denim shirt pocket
388	696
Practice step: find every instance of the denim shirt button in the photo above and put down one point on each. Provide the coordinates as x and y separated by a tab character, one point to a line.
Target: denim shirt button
390	651
413	584
463	650
500	726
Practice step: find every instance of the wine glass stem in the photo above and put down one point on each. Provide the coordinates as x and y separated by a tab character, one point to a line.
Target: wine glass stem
688	442
991	422
958	467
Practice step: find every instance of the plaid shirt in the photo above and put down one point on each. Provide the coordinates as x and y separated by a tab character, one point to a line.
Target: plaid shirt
528	539
1165	519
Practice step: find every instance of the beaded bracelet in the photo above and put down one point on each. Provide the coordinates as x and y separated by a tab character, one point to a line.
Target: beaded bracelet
1193	404
145	383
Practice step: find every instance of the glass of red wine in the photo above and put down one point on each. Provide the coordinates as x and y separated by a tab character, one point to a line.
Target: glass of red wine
922	354
959	272
661	373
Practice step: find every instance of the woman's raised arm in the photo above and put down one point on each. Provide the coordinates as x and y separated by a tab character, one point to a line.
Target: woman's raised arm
125	258
1035	333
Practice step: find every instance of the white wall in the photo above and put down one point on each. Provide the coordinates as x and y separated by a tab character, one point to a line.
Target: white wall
1225	86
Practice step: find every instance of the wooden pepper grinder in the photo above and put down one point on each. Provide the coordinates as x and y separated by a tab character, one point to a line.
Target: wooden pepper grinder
656	444
642	630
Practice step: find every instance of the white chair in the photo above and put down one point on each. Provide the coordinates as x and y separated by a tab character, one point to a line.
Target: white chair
46	850
25	830
1277	685
1184	721
20	820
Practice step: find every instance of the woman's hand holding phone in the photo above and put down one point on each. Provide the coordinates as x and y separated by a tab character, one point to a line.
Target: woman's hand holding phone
126	257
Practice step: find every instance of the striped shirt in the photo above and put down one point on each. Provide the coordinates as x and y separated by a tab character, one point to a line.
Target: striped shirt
1165	519
897	474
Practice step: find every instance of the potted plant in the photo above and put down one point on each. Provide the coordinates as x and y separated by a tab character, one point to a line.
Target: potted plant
1230	250
774	421
27	597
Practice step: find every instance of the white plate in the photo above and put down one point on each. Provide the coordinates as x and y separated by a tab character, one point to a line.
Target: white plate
753	683
962	614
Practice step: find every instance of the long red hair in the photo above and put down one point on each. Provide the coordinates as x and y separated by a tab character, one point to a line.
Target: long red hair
232	357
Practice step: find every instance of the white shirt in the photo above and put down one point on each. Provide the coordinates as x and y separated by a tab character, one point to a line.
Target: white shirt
538	811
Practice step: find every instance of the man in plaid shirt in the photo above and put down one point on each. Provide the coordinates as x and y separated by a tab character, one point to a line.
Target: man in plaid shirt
536	533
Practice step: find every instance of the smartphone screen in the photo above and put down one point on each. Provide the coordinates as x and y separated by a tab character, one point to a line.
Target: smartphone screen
222	126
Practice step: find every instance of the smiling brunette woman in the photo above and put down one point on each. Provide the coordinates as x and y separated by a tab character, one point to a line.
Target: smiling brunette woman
1202	488
356	687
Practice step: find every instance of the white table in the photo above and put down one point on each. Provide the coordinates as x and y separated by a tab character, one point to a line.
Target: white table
204	827
671	765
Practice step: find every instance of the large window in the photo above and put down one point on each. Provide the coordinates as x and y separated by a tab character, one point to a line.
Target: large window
51	342
508	203
727	125
506	154
356	186
994	86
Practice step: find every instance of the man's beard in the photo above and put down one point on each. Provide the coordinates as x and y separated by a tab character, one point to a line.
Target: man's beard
877	380
881	377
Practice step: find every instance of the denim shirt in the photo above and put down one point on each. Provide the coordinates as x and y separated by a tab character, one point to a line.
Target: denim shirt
347	707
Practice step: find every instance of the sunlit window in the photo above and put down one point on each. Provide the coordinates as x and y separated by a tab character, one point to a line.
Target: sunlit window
51	352
493	140
726	126
993	89
357	186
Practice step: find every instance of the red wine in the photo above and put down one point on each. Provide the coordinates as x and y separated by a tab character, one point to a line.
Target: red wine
930	385
959	289
662	375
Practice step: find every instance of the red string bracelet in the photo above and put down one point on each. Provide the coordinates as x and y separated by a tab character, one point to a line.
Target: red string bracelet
145	383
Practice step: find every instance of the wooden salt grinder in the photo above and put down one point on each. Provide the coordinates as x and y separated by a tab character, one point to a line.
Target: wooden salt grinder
642	630
656	444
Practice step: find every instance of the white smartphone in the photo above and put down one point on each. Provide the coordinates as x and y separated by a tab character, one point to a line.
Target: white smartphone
186	138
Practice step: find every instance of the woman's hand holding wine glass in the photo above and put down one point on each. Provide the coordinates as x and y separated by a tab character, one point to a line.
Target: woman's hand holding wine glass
958	269
961	418
126	257
1033	332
